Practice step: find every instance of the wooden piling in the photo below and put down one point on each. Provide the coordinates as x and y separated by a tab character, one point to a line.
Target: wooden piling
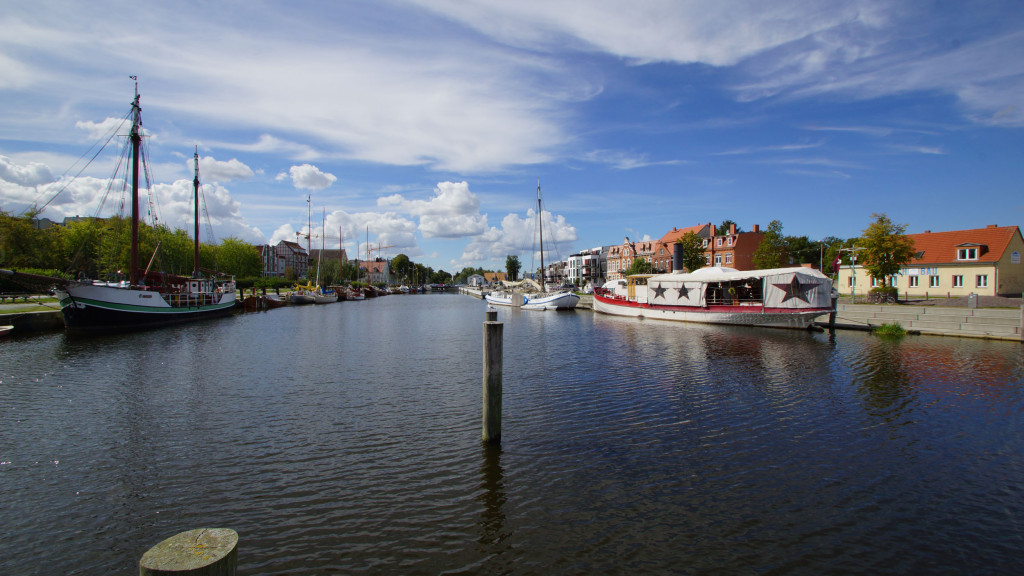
200	552
493	335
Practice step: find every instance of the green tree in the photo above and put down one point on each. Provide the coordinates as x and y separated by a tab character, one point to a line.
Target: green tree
239	258
773	252
640	265
885	248
440	277
24	244
723	228
693	251
512	267
403	267
802	250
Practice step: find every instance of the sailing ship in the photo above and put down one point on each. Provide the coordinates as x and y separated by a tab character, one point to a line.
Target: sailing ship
543	300
778	297
146	299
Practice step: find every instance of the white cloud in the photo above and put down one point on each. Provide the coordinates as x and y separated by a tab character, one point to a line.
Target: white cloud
283	232
212	170
31	174
105	128
309	177
518	236
453	211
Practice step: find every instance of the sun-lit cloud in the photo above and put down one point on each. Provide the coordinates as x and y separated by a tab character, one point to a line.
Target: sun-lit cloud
453	211
308	177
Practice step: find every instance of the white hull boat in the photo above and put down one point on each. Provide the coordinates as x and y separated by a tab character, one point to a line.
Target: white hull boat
778	298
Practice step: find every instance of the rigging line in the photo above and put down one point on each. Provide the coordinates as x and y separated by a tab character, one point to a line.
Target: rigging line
113	133
110	183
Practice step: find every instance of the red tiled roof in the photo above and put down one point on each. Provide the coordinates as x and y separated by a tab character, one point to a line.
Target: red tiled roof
676	233
941	247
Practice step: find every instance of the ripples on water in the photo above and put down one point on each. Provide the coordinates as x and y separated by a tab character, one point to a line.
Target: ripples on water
346	439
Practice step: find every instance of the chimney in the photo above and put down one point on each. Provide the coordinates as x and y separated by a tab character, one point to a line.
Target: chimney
757	228
992	226
732	228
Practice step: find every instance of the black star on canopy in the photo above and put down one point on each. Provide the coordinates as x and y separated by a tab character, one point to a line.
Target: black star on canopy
795	290
659	291
683	292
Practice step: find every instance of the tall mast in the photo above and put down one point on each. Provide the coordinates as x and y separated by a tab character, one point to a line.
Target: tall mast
195	191
540	227
136	139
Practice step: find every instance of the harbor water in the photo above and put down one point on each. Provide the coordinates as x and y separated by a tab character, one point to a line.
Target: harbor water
346	439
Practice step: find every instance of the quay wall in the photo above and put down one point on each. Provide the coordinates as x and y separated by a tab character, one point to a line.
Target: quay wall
991	323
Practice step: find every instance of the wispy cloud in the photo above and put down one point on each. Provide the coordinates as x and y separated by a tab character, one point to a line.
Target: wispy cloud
759	149
620	160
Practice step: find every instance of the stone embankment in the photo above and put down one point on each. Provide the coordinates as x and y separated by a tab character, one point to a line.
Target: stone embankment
992	323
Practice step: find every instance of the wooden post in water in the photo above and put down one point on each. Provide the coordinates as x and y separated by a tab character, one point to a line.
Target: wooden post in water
493	334
201	552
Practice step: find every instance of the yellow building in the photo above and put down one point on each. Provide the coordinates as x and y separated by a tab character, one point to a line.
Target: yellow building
985	261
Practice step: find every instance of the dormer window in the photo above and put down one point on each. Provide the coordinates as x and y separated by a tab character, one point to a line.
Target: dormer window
967	254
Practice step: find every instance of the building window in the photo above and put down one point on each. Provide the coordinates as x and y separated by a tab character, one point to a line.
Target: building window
967	254
851	281
707	259
981	281
718	259
728	258
933	281
874	282
718	241
728	241
1015	258
958	281
913	281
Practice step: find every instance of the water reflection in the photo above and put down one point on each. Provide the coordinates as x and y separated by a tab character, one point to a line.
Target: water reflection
492	498
352	445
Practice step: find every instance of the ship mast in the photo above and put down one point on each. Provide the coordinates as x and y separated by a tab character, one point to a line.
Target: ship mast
540	227
195	189
136	140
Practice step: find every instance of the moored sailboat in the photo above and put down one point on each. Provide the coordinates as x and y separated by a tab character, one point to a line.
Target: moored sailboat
543	300
145	299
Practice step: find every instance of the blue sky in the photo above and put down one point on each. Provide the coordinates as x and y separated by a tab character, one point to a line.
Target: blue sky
428	123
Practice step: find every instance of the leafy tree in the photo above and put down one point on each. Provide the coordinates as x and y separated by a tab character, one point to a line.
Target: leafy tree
238	258
23	244
723	228
885	248
640	265
512	267
773	252
440	277
403	267
693	251
802	250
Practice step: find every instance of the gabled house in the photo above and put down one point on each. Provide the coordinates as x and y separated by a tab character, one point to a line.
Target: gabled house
663	247
733	249
494	277
277	260
984	261
621	257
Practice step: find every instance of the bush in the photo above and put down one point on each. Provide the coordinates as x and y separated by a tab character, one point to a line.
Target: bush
893	330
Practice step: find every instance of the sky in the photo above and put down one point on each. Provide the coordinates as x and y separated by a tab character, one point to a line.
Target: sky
425	126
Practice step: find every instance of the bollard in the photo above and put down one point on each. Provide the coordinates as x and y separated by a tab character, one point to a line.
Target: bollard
832	314
201	552
493	334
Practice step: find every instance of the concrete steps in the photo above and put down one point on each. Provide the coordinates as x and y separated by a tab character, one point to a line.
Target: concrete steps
979	323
